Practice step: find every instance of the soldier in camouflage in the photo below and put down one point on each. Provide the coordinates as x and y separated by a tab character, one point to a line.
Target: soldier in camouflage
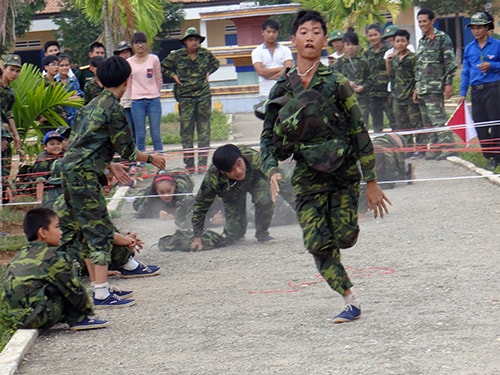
355	67
41	285
100	130
233	174
436	67
402	76
7	195
92	86
190	68
378	79
326	201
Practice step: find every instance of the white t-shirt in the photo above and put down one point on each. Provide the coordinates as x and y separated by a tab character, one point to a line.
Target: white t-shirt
262	54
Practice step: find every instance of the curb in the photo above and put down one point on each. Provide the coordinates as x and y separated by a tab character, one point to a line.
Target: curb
495	179
15	350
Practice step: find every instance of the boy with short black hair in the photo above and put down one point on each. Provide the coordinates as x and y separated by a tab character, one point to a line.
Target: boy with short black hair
100	130
327	149
41	286
402	77
232	175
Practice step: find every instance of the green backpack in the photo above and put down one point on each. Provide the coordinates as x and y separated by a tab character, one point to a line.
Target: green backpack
310	126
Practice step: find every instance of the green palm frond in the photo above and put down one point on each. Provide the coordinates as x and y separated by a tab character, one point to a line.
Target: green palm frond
34	98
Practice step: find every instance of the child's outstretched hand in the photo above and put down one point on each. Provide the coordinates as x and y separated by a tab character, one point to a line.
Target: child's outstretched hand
376	199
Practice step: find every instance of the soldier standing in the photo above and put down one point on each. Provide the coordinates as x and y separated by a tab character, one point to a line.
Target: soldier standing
402	79
190	68
436	67
327	198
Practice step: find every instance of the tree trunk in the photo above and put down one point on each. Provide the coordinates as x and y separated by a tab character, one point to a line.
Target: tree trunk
108	35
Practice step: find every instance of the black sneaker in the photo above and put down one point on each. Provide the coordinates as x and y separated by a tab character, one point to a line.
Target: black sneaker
142	270
112	301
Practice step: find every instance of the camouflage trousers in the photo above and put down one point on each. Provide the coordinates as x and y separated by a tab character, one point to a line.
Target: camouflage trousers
88	216
195	113
379	105
47	312
407	116
433	114
235	211
329	222
73	243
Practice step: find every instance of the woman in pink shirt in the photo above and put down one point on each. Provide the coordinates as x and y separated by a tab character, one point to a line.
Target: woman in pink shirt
144	88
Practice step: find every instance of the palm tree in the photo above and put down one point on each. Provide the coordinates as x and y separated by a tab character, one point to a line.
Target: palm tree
121	18
34	98
343	14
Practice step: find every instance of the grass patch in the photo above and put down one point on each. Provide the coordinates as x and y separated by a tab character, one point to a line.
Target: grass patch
7	324
170	128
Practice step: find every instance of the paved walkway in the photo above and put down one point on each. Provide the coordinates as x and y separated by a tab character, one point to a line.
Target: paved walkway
426	275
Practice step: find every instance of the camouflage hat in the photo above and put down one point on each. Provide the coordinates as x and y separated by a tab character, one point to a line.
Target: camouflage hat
390	31
192	31
122	46
335	35
479	19
14	60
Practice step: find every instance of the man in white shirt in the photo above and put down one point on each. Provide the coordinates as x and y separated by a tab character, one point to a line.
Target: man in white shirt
270	58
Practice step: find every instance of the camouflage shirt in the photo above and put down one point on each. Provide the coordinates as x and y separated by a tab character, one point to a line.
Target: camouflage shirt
355	69
100	130
91	90
7	99
377	74
36	273
402	76
42	166
191	72
215	183
436	63
306	180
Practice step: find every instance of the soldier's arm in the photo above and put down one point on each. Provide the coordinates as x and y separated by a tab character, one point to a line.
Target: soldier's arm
203	200
449	61
268	159
213	63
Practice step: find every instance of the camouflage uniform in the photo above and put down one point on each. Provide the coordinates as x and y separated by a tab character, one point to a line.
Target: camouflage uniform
194	98
84	74
42	167
326	202
150	206
91	90
357	70
100	130
378	80
6	165
435	69
233	194
41	288
406	112
7	100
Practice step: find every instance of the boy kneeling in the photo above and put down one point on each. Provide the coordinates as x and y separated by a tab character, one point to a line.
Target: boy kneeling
41	287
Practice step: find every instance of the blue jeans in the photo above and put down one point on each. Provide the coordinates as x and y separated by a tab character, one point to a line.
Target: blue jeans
151	108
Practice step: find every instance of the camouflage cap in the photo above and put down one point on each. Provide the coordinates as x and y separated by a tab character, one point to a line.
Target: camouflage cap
390	31
122	46
14	60
192	31
335	35
479	19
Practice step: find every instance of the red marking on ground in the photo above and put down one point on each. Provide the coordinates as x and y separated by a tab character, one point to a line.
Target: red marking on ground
353	273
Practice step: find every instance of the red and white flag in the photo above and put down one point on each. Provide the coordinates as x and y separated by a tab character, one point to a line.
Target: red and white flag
464	125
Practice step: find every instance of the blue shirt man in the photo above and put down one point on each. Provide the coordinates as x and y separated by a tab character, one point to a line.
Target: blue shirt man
481	68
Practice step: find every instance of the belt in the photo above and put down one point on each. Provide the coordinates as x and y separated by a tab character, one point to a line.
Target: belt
486	85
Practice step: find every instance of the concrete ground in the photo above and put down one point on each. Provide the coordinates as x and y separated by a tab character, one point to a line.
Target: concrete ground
426	275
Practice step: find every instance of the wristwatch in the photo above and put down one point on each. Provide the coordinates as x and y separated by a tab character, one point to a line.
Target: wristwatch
150	159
